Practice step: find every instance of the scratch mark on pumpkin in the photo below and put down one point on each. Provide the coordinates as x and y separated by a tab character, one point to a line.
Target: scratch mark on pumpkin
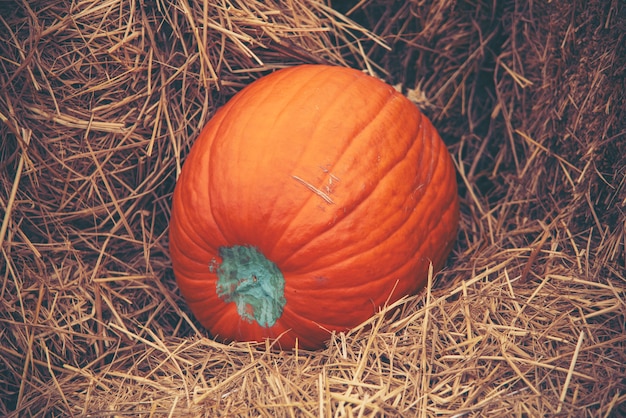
332	181
315	190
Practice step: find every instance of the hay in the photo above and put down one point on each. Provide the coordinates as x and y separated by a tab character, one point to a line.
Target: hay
100	102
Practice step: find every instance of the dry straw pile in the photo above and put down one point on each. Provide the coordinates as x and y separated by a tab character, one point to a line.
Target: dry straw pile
100	102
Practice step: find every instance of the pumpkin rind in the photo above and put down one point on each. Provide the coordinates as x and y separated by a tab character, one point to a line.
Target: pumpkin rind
331	175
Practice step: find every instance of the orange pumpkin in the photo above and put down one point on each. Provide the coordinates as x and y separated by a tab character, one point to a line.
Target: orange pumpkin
313	197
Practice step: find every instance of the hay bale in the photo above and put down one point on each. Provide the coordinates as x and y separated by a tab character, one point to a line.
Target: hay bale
100	101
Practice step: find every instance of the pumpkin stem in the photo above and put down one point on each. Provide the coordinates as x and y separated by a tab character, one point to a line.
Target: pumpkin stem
253	283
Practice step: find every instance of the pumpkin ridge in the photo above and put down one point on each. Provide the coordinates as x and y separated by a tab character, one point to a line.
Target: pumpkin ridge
218	117
384	241
402	159
180	212
297	92
211	155
349	144
181	235
190	234
365	302
343	94
270	87
267	250
229	110
371	280
280	232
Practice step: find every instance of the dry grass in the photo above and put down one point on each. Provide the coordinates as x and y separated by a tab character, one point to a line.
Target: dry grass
100	101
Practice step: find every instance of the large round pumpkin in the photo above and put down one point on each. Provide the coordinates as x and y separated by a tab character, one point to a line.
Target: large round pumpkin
315	196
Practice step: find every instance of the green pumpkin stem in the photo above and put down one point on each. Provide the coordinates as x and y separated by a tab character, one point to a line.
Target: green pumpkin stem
255	284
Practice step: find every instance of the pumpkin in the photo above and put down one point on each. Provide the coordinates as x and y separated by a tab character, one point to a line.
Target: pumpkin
314	197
